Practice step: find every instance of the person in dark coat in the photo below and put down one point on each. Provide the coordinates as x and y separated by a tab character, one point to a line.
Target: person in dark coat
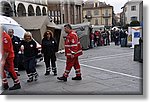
49	48
16	46
122	38
29	48
117	37
107	38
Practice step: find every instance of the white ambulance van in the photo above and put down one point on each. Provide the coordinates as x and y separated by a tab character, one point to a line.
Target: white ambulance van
8	23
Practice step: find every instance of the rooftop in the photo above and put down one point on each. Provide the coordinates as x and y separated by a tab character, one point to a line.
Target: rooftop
90	4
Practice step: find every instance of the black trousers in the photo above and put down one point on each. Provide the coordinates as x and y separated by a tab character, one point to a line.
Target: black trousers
29	64
50	58
116	41
16	60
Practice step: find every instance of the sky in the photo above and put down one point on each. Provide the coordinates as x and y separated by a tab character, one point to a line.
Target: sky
116	3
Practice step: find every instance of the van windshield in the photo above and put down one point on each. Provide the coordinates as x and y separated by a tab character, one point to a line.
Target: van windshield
18	31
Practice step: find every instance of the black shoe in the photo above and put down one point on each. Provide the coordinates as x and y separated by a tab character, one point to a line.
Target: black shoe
77	78
5	87
16	86
36	77
54	69
55	73
62	78
30	80
47	73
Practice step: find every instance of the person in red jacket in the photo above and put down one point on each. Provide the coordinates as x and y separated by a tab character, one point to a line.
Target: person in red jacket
7	63
72	51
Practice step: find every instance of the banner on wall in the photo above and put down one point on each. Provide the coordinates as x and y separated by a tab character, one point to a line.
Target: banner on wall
135	33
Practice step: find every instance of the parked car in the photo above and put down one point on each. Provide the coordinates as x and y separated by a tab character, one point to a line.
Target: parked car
8	23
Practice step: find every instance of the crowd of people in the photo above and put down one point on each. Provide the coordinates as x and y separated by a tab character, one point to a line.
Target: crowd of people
12	45
104	37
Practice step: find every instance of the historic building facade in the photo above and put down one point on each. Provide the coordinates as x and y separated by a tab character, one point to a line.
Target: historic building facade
98	13
65	11
132	11
21	8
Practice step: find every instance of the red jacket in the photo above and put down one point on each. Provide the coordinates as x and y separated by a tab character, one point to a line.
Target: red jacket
7	45
97	33
72	45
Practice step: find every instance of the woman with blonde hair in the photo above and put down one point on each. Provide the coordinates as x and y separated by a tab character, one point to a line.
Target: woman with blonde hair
49	48
28	46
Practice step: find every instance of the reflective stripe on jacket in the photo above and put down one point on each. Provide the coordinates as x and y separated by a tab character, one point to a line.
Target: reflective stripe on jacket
72	45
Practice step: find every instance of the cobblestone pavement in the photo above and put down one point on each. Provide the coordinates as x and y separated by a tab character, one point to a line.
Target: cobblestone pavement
105	70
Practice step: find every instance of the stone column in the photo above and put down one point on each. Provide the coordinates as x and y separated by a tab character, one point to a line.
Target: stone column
75	14
68	9
62	12
81	14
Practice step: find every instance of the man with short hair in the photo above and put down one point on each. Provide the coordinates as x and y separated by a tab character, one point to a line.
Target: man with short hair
16	46
72	51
